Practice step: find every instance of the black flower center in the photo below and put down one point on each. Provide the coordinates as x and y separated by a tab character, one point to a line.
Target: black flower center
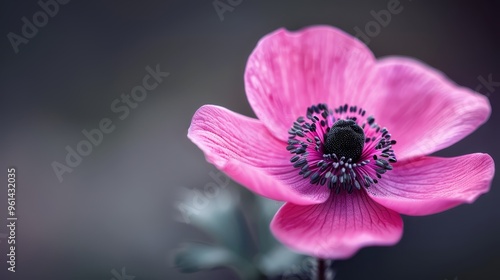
342	148
345	139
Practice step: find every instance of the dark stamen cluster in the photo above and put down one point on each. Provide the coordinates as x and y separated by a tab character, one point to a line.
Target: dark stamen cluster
331	148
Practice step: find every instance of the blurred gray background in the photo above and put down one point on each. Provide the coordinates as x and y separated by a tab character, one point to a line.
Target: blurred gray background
117	208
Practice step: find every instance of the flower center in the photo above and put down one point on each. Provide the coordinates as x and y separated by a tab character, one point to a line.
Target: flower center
345	139
340	148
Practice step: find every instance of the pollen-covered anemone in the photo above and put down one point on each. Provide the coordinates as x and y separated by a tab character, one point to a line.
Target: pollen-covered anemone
329	115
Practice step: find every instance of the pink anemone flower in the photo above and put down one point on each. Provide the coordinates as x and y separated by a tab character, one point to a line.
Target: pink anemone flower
329	115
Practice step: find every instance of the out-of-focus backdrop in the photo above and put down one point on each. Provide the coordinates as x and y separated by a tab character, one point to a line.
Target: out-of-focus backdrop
117	207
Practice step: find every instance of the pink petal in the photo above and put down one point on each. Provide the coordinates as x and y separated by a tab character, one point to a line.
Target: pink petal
290	71
423	110
338	228
245	150
429	185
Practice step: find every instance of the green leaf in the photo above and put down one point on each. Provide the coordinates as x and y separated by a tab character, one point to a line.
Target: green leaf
222	218
278	260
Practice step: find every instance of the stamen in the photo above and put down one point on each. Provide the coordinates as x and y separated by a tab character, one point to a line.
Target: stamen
340	148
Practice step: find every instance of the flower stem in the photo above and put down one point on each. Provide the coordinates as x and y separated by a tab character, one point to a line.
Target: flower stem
321	269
